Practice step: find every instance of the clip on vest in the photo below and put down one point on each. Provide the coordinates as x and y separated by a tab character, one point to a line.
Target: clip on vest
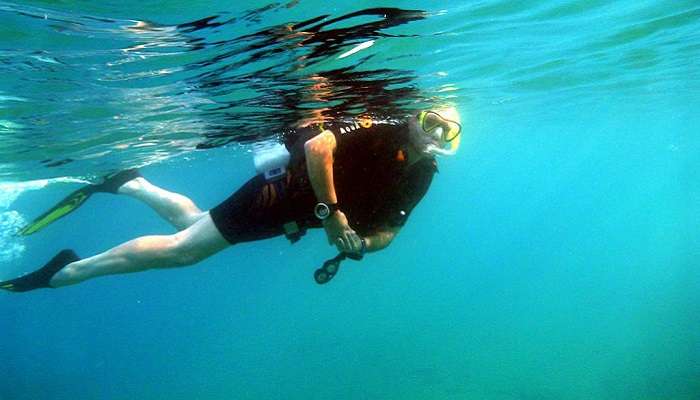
271	159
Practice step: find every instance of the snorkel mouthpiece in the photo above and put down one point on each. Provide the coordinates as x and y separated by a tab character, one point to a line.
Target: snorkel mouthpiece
433	149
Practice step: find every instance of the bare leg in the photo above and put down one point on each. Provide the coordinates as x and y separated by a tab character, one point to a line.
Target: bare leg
175	208
186	247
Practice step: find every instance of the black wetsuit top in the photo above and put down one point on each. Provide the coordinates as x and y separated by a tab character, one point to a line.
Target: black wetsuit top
375	182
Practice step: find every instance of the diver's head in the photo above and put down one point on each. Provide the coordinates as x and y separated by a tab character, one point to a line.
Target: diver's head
436	131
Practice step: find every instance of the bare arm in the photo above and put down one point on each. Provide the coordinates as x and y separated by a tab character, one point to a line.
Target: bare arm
381	239
319	164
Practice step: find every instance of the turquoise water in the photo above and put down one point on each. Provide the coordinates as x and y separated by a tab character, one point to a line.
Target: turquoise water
554	257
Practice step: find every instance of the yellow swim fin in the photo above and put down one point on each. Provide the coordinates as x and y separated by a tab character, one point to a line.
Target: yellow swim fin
74	200
64	207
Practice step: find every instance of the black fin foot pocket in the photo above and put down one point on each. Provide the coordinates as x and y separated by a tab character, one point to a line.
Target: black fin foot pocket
41	277
113	182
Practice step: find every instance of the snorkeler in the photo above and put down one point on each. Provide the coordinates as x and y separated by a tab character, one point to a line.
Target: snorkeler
358	179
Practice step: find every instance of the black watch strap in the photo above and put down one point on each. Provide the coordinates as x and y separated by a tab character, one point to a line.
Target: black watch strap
324	210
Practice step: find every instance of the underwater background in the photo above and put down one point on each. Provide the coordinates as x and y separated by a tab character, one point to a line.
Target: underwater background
554	257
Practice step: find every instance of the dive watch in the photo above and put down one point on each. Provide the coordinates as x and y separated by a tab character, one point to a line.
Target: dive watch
323	210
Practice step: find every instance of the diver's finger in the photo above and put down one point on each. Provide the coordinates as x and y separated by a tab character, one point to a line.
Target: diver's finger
340	243
350	242
355	242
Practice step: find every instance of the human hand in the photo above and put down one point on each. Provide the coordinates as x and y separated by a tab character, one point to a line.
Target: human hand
340	234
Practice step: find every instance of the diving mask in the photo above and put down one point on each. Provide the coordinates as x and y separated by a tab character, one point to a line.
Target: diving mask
444	132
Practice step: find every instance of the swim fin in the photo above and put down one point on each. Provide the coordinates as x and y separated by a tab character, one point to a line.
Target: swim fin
41	277
62	208
74	200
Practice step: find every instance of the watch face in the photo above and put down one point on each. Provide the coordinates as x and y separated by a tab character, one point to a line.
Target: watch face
322	211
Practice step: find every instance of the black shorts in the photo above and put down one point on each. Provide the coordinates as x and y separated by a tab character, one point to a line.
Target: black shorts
259	210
